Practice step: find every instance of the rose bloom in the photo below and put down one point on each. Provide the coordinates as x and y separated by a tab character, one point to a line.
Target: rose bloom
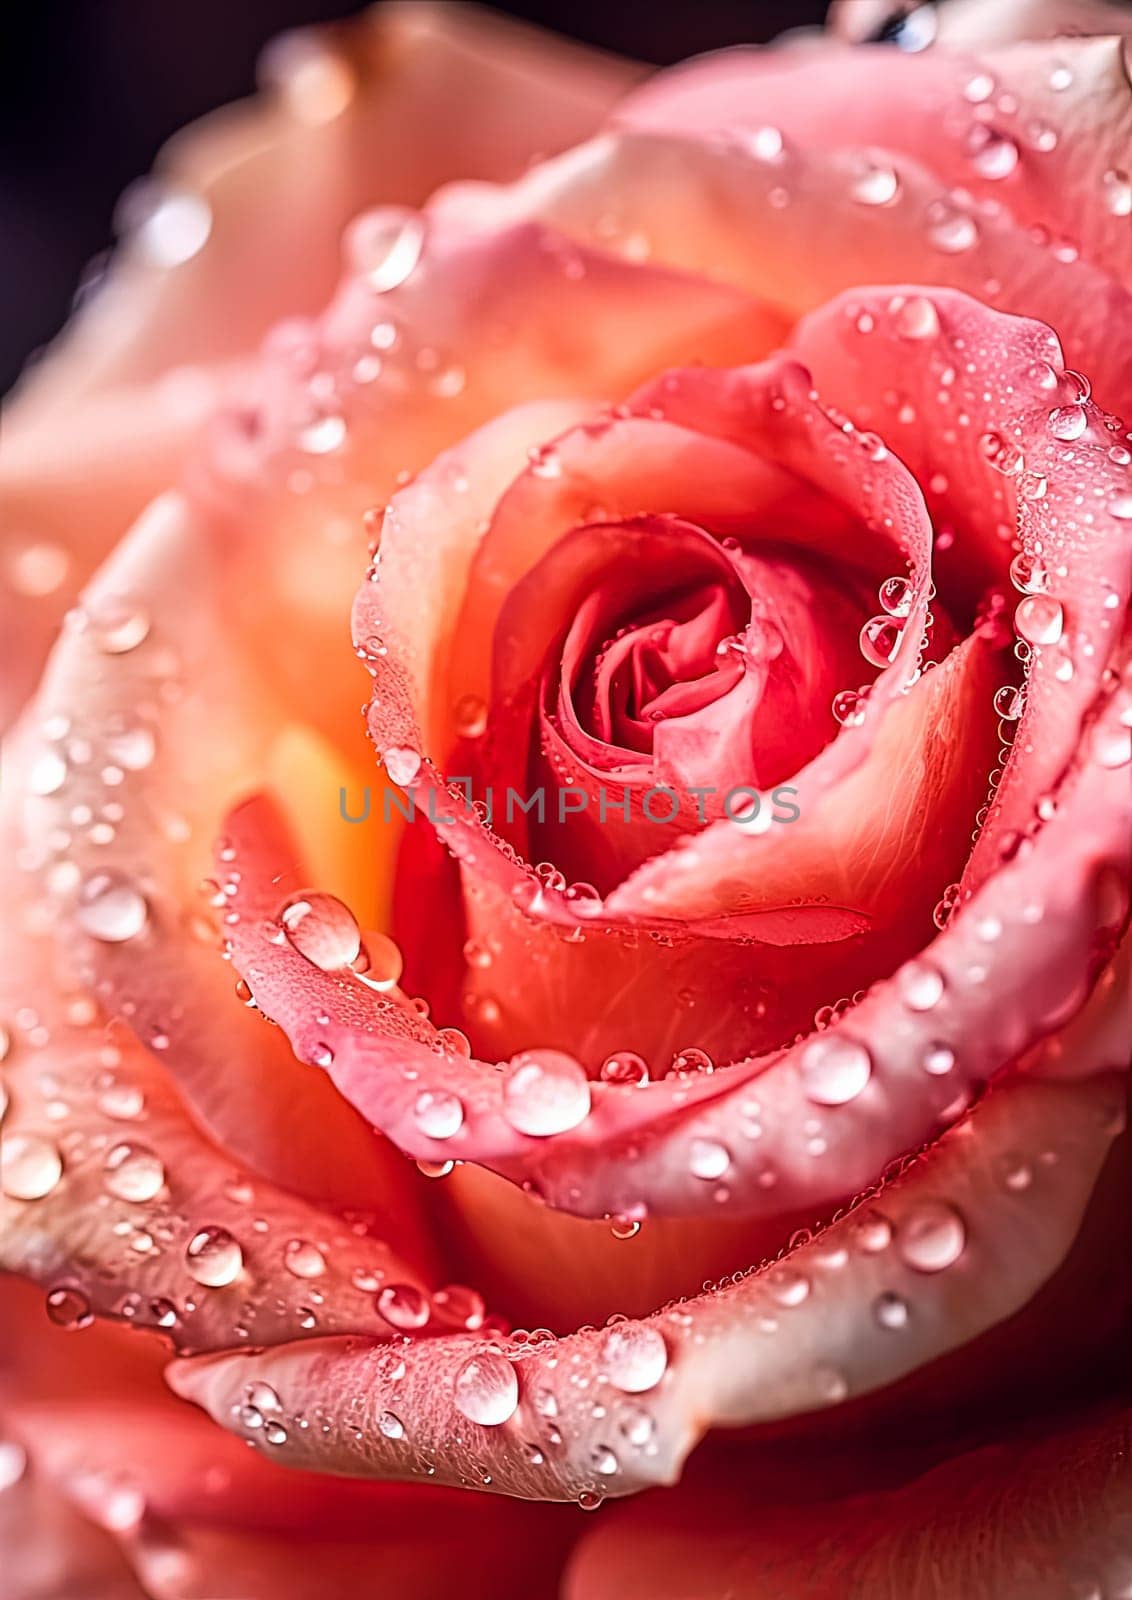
735	459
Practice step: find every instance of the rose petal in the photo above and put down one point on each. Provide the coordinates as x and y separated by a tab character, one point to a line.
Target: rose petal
1030	1519
958	1251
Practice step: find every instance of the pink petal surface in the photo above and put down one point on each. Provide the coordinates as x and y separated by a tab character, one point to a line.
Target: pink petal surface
949	1244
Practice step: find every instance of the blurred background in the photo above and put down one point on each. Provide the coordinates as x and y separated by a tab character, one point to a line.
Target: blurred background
90	89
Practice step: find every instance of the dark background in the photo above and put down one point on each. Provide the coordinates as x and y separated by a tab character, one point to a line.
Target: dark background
90	89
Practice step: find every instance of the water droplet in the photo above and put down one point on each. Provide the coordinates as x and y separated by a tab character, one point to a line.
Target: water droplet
133	1173
324	433
708	1158
624	1067
767	144
879	640
169	225
590	1500
992	154
69	1308
263	1397
890	1310
1028	575
402	764
1119	505
946	904
1068	422
118	626
47	775
895	595
459	1306
835	1069
403	1306
939	1060
111	908
1117	188
545	1092
978	88
949	230
382	963
213	1257
390	1426
469	716
1060	78
323	930
132	746
636	1427
787	1286
917	318
438	1114
603	1460
634	1357
1111	745
30	1167
1003	455
303	1259
932	1236
486	1389
1009	702
385	246
877	184
921	985
1039	619
122	1101
849	708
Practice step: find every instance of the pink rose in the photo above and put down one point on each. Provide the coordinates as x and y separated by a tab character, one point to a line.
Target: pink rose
733	917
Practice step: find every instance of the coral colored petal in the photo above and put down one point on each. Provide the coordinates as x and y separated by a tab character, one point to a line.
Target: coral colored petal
948	1244
1037	1517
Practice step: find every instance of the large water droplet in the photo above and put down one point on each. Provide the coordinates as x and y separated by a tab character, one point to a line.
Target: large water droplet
835	1069
134	1173
30	1166
921	986
1028	575
303	1259
68	1307
213	1257
1117	189
932	1236
634	1357
486	1389
993	155
323	930
545	1092
385	245
949	230
917	318
459	1306
708	1158
1068	422
895	595
402	764
1039	619
625	1067
111	908
438	1114
119	626
880	640
403	1306
877	184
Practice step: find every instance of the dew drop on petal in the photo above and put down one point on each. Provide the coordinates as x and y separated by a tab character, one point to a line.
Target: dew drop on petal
323	930
1039	619
1119	505
69	1308
949	230
939	1059
486	1389
213	1257
1009	702
634	1357
932	1236
385	245
545	1092
469	716
895	595
1028	575
604	1460
111	908
1068	422
303	1259
133	1173
1110	745
403	1306
921	985
390	1426
877	184
625	1067
402	764
787	1286
30	1166
118	627
849	708
891	1311
992	154
835	1069
438	1113
1117	189
459	1306
708	1158
880	640
917	318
